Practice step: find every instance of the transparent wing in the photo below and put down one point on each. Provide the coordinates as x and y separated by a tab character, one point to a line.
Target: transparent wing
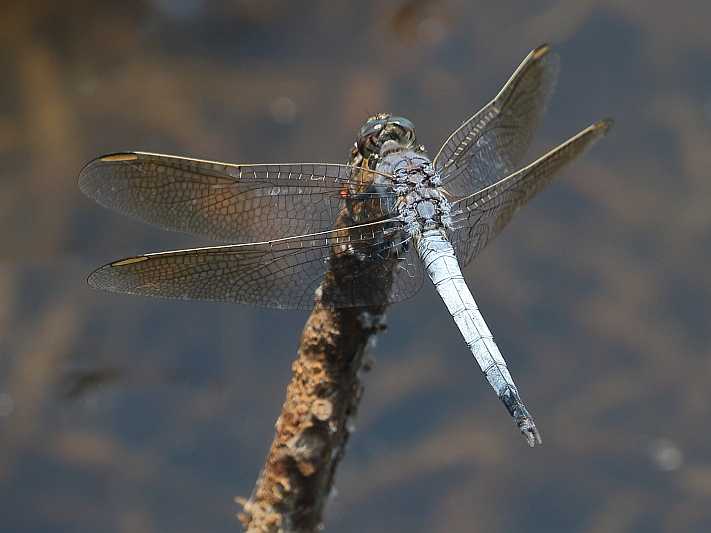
478	218
372	264
491	144
226	202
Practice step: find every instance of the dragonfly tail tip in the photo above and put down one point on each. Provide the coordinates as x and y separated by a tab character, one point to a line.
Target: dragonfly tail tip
530	432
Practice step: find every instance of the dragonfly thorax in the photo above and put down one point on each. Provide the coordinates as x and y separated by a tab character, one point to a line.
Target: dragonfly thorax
420	203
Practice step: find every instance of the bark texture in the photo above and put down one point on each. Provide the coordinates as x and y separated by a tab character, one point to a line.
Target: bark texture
313	428
321	400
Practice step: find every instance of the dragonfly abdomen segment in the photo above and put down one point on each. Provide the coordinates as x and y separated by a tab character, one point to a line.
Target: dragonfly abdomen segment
438	257
441	264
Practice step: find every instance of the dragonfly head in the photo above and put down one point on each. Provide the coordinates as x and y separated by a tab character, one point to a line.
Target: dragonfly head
381	128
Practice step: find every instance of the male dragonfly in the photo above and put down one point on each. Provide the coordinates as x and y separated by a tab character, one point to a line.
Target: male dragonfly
376	224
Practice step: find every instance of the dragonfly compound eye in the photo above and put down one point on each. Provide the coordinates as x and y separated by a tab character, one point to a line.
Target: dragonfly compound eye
383	128
368	137
401	130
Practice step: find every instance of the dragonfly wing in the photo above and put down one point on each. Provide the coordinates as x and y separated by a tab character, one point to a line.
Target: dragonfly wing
408	274
228	202
282	273
491	144
478	218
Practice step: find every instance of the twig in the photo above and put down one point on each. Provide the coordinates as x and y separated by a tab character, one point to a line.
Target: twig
321	400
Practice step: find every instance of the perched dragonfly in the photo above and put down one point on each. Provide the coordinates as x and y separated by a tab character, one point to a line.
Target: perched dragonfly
376	224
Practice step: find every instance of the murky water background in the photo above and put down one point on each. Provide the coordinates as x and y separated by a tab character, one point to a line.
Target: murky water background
123	414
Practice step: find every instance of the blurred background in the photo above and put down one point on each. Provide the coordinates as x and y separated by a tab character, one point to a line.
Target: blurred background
124	414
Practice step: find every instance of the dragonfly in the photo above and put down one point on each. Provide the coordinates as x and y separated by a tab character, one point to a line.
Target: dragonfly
377	224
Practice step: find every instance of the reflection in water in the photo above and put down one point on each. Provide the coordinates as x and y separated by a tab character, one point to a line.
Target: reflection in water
80	383
283	110
605	276
7	404
666	455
